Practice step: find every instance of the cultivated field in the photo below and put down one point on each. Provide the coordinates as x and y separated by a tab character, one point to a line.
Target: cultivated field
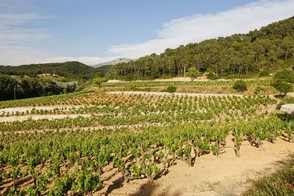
124	143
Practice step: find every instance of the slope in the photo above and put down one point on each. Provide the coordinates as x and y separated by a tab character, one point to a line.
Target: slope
238	54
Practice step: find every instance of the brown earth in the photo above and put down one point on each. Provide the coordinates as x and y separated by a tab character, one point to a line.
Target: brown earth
225	174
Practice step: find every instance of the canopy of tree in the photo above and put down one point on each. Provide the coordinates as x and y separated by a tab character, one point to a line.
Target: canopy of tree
283	81
98	81
237	54
193	73
70	70
16	88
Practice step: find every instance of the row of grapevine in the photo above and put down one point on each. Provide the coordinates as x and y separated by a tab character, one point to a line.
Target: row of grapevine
58	162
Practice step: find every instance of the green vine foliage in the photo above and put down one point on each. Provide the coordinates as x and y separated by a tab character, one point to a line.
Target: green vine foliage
137	136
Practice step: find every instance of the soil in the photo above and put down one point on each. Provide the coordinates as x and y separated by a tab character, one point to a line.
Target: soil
225	174
39	117
25	109
174	79
169	94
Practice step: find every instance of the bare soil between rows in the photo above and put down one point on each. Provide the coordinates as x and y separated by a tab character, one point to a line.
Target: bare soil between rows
226	174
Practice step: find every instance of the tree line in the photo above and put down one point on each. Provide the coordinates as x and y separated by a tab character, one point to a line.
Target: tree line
19	88
70	70
239	54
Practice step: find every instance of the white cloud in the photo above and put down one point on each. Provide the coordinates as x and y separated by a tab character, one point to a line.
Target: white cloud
20	45
199	27
19	55
12	30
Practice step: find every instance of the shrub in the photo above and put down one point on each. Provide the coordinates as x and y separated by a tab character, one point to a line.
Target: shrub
98	81
171	89
258	90
193	73
212	76
285	75
240	86
264	73
283	87
283	81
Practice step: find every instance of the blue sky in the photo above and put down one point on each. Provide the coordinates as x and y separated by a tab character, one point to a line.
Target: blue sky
95	31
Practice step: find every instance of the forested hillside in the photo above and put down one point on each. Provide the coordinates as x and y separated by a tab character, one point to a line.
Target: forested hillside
237	54
19	88
70	70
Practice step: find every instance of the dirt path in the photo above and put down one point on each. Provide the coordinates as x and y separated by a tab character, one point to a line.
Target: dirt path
169	94
174	79
39	117
211	175
14	117
29	109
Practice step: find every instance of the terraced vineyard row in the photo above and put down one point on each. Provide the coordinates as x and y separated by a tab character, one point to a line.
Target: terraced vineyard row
265	82
115	109
118	103
64	158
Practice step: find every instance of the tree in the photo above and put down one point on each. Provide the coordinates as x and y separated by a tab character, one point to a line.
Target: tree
237	54
7	87
283	81
193	73
240	86
98	81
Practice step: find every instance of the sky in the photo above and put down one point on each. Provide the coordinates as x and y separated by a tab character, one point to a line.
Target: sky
96	31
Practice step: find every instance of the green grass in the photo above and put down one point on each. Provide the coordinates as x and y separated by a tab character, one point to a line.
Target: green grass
279	183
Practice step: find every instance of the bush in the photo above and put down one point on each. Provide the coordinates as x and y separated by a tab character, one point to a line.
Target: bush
98	81
264	73
193	73
283	81
283	87
171	89
240	86
285	75
212	76
258	90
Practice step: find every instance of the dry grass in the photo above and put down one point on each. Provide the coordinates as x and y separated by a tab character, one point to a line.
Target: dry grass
279	183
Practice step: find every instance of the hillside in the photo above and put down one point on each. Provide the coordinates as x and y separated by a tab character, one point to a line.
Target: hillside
239	54
70	70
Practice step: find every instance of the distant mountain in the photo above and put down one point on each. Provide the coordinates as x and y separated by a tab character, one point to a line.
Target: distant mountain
114	62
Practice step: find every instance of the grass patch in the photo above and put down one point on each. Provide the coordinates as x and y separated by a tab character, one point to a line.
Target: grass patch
279	183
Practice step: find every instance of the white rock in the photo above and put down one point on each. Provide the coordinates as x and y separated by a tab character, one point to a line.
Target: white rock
287	108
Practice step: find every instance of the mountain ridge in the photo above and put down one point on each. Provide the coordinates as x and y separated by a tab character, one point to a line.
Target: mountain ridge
114	62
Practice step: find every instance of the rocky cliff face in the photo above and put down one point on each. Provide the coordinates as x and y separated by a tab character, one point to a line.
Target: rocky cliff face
114	62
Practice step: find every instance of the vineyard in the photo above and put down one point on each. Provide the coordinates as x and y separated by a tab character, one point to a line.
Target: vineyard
200	86
93	137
